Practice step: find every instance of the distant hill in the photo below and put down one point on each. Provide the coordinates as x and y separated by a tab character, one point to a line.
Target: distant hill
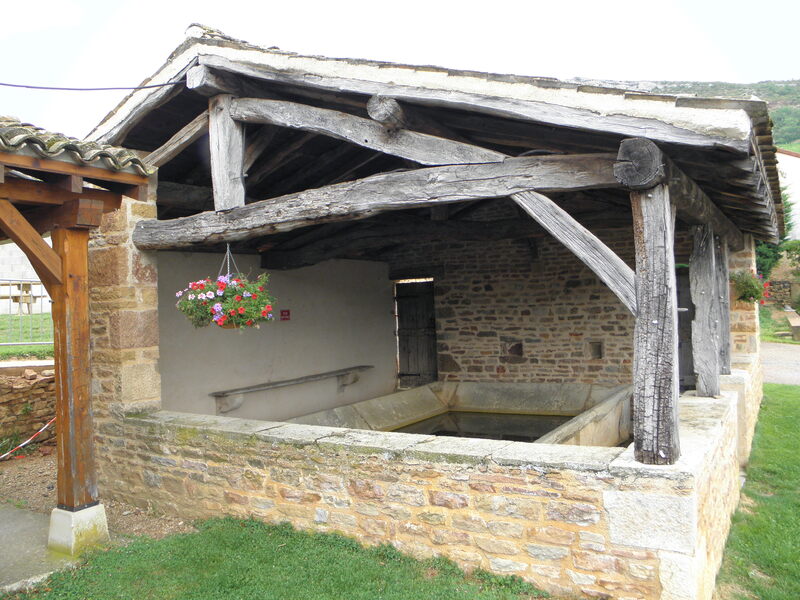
783	98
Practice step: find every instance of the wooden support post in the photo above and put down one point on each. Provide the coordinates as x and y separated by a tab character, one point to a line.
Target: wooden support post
226	139
77	480
706	323
655	355
724	291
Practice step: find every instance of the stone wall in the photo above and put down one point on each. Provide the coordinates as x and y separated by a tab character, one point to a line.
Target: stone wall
523	310
27	402
573	520
123	315
780	292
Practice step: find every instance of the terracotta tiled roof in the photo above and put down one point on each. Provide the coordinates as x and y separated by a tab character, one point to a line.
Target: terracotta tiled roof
16	136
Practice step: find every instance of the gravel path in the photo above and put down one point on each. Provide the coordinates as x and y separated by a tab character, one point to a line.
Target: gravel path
781	363
29	482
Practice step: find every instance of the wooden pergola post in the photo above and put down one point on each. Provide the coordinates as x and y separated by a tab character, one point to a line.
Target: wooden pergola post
659	192
57	201
77	477
655	350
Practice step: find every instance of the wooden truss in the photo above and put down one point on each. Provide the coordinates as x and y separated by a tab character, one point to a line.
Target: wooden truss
458	171
53	195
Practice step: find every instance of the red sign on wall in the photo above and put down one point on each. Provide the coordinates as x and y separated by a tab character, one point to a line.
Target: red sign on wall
286	315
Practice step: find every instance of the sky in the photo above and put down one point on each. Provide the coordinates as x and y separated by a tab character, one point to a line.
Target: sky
96	43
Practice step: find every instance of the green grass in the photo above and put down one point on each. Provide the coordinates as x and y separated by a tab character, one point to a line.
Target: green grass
762	557
773	320
791	147
248	560
26	328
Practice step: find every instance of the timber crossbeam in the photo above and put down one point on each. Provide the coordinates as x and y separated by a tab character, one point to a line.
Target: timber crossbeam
641	165
380	193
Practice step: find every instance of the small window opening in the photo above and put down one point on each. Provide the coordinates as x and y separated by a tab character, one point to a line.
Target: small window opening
595	350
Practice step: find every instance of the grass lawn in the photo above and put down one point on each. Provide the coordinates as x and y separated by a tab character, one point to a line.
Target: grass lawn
247	560
26	328
793	147
762	557
772	320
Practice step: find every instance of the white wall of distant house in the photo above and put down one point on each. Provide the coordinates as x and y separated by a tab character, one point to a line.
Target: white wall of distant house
341	315
789	167
14	265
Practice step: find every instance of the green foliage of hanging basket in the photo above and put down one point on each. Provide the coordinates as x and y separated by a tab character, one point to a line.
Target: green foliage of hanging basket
747	286
230	301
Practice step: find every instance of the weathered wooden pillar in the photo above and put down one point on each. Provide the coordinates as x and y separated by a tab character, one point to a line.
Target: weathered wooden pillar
655	355
226	141
724	292
77	479
707	311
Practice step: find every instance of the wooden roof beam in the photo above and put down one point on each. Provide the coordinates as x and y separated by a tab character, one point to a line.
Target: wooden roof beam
185	137
394	191
642	165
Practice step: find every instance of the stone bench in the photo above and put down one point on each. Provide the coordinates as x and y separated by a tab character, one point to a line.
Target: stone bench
794	323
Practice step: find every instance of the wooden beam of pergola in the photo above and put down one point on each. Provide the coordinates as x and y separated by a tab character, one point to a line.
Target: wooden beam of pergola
380	193
643	165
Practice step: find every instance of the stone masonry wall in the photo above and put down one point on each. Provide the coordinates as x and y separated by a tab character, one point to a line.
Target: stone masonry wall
573	520
26	403
507	312
123	317
526	310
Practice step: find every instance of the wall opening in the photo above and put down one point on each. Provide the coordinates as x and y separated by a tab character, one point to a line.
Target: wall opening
415	332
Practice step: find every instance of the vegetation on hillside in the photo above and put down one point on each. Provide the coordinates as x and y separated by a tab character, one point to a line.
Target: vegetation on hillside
783	98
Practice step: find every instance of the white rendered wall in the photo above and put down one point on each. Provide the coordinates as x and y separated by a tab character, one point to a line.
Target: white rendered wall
341	316
15	265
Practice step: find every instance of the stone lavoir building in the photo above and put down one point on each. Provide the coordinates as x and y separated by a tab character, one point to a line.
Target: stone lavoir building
499	259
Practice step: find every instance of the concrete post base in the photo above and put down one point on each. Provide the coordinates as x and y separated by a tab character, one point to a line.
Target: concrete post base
72	532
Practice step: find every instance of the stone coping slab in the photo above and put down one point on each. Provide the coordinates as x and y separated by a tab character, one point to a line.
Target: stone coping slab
701	421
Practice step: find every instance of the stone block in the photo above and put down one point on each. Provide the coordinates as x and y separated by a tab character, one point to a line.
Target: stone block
108	266
652	521
495	546
504	565
133	329
541	552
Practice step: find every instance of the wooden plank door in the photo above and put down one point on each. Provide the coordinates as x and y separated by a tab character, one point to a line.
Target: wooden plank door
416	334
685	318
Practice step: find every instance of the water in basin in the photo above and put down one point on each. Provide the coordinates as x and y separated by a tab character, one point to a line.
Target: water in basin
493	426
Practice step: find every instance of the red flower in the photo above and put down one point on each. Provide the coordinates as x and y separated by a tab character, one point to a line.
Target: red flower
268	308
238	298
255	296
249	322
221	285
211	309
232	312
261	288
241	310
263	313
763	302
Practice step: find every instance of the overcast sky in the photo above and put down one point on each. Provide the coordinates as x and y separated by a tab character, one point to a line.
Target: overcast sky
91	43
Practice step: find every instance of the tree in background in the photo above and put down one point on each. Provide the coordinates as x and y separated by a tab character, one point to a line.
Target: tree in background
768	255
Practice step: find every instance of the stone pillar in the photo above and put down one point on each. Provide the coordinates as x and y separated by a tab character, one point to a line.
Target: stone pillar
745	330
745	378
123	317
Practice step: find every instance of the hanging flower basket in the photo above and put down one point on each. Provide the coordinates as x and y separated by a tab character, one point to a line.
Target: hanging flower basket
231	301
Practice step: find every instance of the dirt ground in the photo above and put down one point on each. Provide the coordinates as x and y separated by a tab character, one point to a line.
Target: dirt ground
30	482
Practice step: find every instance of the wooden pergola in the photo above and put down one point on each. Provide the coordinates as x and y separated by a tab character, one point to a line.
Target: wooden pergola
51	183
